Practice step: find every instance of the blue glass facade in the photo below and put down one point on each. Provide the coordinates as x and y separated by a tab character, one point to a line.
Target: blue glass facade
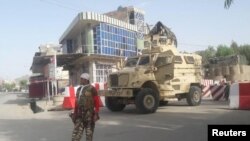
114	41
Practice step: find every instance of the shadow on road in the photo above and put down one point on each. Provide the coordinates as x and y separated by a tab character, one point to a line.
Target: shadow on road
35	130
21	99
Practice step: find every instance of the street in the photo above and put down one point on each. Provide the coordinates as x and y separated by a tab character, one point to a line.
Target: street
174	122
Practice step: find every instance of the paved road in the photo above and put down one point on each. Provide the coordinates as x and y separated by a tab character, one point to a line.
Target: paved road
176	122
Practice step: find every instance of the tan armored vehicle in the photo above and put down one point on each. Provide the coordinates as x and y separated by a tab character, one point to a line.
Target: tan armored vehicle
160	74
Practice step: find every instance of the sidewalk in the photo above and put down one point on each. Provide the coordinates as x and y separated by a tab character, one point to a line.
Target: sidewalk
50	105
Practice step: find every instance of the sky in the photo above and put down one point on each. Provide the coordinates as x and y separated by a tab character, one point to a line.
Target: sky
26	24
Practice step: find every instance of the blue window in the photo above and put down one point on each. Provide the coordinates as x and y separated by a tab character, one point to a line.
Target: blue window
109	51
98	38
103	51
103	34
112	51
109	44
102	26
111	29
120	31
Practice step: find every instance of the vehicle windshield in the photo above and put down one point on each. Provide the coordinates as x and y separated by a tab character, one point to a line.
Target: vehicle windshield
131	62
144	60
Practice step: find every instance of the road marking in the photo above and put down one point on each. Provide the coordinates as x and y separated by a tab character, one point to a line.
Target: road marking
154	127
109	122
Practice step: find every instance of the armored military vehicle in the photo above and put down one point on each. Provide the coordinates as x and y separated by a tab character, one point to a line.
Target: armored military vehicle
160	74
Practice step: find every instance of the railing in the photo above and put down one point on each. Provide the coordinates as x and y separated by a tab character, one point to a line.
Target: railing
110	51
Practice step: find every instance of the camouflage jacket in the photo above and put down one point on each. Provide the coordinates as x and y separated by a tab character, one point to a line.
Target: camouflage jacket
85	97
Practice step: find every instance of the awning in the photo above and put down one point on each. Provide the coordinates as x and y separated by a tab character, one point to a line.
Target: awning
62	59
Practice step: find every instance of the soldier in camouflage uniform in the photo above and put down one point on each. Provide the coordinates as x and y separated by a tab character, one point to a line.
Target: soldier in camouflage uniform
86	110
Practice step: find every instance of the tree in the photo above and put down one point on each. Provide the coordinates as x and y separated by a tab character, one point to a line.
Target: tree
9	86
23	84
245	50
223	50
227	4
206	54
235	47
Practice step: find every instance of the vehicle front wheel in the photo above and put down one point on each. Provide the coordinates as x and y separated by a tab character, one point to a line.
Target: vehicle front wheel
147	101
113	104
194	96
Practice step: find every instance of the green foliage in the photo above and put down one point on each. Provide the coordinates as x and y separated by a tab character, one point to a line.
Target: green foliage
9	86
245	51
23	84
206	54
235	47
223	50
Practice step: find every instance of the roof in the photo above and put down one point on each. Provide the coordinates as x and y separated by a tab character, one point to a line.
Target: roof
85	18
62	59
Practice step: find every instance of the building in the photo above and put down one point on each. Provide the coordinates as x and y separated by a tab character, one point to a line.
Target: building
47	71
102	39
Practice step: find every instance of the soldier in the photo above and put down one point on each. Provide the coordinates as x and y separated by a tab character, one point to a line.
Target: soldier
86	111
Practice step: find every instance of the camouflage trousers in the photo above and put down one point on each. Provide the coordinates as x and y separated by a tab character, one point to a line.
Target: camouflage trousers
80	125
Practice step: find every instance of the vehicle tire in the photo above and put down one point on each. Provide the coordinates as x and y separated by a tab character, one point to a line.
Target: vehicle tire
163	103
147	101
194	96
113	104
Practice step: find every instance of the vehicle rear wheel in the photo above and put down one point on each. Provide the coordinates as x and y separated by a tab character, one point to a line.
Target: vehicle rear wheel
194	96
113	104
147	101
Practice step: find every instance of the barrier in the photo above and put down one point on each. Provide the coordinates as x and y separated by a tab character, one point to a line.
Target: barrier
100	87
207	82
215	92
206	93
239	96
67	92
69	101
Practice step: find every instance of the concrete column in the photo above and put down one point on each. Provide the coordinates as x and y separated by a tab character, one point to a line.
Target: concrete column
89	39
92	71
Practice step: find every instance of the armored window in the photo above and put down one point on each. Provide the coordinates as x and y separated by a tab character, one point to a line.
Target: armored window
154	42
131	62
189	59
163	41
177	60
144	60
163	61
146	44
